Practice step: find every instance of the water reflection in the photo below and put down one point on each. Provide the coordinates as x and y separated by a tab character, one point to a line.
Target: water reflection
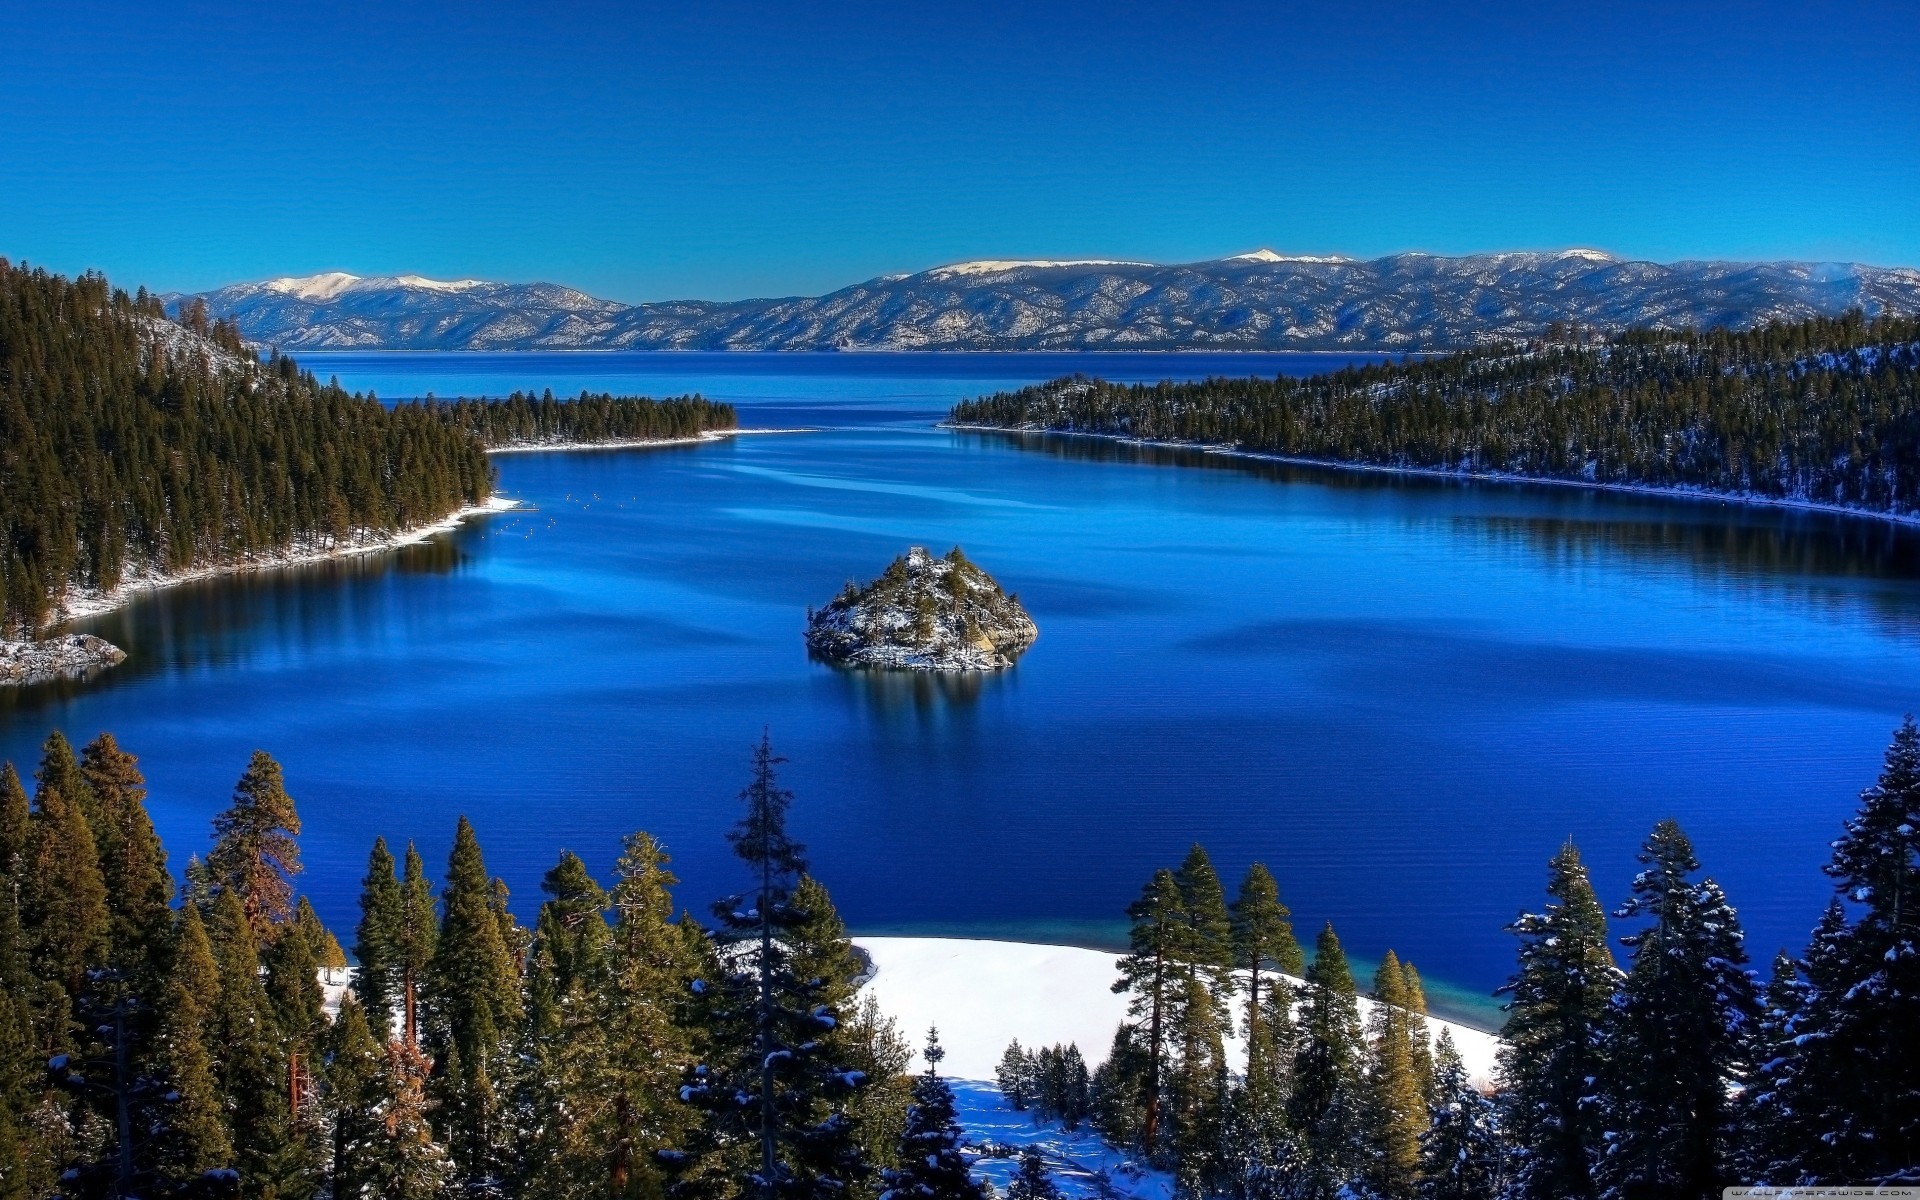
894	692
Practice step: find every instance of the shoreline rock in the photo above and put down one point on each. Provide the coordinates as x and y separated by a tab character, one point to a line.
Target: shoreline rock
923	614
70	656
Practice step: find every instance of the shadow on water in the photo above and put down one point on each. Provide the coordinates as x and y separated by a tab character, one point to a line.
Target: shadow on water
1842	563
891	693
236	620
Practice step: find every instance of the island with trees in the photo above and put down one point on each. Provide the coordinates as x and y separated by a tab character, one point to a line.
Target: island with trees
925	614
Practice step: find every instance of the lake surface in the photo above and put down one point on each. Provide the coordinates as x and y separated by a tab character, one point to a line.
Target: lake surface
1400	694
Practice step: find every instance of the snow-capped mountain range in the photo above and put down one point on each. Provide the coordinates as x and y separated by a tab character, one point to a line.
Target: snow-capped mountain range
1256	301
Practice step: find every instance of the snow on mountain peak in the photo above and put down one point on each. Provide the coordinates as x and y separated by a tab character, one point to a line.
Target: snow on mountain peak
324	286
1589	255
990	266
1264	255
438	285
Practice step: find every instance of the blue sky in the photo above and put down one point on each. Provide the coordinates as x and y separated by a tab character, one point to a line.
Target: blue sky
730	149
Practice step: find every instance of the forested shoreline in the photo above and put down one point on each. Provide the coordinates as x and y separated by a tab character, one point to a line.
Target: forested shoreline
1824	412
136	446
166	1039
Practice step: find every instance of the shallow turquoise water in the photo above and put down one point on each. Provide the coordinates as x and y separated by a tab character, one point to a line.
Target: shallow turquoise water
1402	695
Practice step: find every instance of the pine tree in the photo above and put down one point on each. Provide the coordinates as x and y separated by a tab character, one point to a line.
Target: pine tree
768	1088
1198	1090
1848	1102
475	1008
417	939
198	1140
251	1064
60	771
1766	1136
66	899
133	864
1397	1101
1677	1039
1263	944
1015	1077
931	1165
254	854
1328	1102
410	1164
376	942
1559	999
356	1099
1460	1153
1419	1035
1032	1181
1151	971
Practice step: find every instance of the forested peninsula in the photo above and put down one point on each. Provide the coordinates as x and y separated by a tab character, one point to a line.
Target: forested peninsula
137	447
1822	412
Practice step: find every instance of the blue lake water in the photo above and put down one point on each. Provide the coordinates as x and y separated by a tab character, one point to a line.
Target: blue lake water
1400	694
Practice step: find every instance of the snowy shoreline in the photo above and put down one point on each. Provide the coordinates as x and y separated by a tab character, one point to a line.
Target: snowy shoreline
81	603
985	994
698	439
1749	499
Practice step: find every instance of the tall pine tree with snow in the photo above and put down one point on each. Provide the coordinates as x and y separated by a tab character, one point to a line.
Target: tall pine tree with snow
1328	1106
1558	1003
133	865
375	944
1264	946
1396	1092
1461	1155
1198	1088
1031	1180
931	1164
1678	1037
1847	1105
415	940
1152	974
773	1097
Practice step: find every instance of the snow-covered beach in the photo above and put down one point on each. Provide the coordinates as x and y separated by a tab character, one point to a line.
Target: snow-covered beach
984	994
88	603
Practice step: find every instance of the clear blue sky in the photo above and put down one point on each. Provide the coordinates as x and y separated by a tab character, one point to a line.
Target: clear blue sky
729	149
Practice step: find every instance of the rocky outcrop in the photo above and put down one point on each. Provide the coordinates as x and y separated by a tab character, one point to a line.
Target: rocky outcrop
69	657
923	614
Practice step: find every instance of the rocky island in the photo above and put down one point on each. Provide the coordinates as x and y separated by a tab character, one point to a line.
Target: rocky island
923	614
70	656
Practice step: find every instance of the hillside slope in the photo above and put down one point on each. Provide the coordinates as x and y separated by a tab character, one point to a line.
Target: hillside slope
1258	301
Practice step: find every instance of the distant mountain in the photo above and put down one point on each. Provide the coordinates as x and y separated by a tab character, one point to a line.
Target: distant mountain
1256	301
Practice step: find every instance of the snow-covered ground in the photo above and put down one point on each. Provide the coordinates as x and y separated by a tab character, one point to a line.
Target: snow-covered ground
82	602
983	995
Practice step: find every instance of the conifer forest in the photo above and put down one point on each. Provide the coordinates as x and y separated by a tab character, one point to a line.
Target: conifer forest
208	1038
1825	411
133	445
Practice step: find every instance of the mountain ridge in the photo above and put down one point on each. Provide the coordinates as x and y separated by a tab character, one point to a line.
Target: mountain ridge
1259	300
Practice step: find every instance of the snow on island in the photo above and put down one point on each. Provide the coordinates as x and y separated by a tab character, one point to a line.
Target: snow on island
73	656
923	614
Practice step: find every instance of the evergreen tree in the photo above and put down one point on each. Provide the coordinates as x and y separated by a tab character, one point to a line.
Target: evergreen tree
254	854
60	771
1198	1090
199	1141
411	1164
1460	1153
475	1008
931	1165
133	864
1328	1102
1766	1137
1151	971
417	939
772	1096
66	898
251	1064
1559	999
1677	1038
1849	1101
1419	1035
1015	1076
376	942
357	1100
1032	1181
1263	944
1397	1108
16	856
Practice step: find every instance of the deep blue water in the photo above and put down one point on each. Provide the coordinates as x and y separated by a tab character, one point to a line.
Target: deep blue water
1402	695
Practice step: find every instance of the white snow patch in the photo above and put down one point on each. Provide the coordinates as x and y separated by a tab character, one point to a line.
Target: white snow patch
1080	1162
438	285
984	994
1589	255
324	286
990	266
1264	255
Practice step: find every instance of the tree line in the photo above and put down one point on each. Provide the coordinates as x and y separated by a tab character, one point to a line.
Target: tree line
1825	410
1675	1076
133	445
165	1044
